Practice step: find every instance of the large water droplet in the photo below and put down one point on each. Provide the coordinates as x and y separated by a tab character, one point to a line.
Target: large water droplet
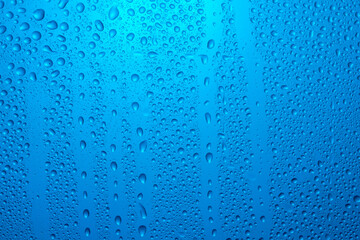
86	213
24	26
143	146
52	25
211	44
82	144
99	25
87	232
135	77
139	131
208	118
209	157
39	14
142	178
113	166
80	7
118	220
143	213
113	13
135	106
62	4
142	230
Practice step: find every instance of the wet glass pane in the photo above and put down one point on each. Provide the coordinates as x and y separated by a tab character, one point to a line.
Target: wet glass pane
179	119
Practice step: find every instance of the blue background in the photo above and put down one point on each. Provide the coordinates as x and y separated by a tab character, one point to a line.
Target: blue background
179	119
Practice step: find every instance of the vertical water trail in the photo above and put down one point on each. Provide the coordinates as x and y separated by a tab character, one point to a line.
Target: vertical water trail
261	159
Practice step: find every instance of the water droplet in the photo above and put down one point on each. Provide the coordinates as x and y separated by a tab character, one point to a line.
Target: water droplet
209	157
113	147
53	173
52	25
2	29
82	144
113	13
206	81
211	44
20	71
118	220
24	26
80	7
142	230
87	232
143	40
142	178
130	36
204	59
36	35
152	54
113	166
139	131
131	12
208	118
81	120
86	213
135	77
143	213
143	146
39	14
135	106
62	4
112	33
99	25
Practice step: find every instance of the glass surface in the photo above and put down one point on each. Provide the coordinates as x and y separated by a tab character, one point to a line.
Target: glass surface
179	119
